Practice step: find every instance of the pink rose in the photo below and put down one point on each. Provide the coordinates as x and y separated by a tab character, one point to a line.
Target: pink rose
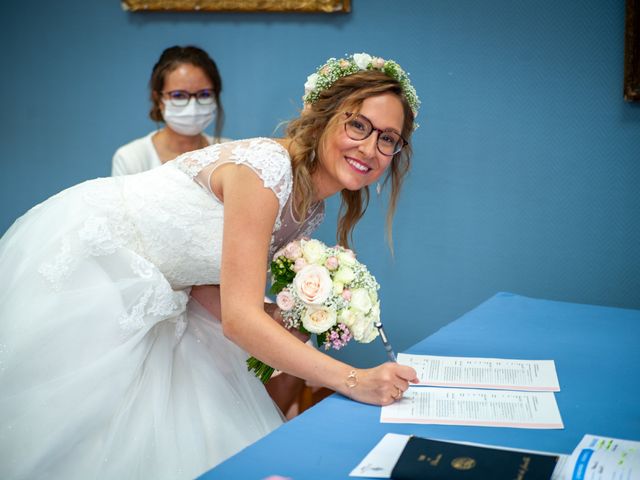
331	263
285	300
346	294
293	251
319	319
377	62
299	264
313	284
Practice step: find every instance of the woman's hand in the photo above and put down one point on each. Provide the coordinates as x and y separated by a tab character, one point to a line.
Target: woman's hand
209	297
381	385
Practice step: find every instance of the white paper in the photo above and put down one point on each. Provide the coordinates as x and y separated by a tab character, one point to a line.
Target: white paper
380	461
490	408
600	458
494	373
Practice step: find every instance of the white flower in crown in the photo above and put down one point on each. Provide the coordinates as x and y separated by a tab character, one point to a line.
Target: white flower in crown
311	83
362	60
328	73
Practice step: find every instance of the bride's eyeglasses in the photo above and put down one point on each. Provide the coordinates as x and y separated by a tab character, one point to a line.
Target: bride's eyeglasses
359	127
180	98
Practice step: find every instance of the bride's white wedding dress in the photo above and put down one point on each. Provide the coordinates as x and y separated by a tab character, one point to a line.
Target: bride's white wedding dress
107	370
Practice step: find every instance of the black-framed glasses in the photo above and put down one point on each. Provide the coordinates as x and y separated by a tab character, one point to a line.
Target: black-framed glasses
359	127
180	98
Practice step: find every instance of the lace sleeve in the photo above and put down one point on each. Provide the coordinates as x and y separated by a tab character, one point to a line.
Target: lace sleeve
266	157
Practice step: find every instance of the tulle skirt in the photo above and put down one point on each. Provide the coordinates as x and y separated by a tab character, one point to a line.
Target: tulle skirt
105	371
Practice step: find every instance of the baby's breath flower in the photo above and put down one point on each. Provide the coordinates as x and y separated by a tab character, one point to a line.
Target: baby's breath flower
334	69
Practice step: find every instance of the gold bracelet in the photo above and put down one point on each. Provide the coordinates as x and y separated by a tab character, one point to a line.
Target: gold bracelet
352	379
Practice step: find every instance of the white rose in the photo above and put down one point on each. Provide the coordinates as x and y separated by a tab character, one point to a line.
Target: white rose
346	257
374	314
360	326
310	84
362	60
374	295
313	251
370	334
348	317
360	300
319	319
313	284
338	287
344	275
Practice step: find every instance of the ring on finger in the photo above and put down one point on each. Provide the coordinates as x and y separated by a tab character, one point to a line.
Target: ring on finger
398	394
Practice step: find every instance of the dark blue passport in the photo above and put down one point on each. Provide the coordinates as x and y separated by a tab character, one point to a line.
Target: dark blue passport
424	459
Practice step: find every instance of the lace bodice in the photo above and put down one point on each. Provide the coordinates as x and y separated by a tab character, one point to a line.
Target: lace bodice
170	219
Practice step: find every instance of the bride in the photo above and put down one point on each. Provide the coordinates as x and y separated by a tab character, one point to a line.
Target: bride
107	371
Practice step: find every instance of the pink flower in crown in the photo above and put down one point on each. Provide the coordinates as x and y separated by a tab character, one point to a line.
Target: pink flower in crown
293	251
377	62
285	300
344	63
325	70
299	264
331	263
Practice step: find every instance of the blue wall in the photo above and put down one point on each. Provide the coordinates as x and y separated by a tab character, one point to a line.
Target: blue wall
527	164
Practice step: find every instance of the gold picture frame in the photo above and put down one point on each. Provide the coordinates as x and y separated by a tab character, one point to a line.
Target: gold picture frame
322	6
632	51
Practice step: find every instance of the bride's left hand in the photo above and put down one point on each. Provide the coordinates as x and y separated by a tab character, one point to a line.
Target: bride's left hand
209	297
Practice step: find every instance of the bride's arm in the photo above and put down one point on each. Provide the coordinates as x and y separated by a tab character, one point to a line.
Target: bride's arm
209	297
245	246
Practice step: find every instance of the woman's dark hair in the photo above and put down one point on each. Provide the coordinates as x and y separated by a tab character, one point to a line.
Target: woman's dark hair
171	59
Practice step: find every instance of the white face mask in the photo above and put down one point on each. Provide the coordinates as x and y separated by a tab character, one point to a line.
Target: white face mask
191	119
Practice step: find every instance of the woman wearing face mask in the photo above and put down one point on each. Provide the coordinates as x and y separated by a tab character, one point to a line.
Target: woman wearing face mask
185	94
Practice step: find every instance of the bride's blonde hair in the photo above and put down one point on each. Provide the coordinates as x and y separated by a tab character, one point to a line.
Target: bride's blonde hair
324	116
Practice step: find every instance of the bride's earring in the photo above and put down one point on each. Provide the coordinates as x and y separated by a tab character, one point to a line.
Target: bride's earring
378	188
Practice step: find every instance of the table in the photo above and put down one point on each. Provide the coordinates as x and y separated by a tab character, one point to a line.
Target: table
597	355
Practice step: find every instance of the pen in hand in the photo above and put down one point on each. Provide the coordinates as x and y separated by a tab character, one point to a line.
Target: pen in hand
385	342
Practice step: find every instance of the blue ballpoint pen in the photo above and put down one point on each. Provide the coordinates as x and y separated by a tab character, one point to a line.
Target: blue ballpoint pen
385	342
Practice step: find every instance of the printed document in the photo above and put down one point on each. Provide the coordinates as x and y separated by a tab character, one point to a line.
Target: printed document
490	408
493	373
602	458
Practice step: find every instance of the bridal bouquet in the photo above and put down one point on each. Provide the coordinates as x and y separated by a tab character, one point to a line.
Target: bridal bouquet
324	291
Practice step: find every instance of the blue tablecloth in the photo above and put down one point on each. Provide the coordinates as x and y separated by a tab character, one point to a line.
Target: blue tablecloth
597	355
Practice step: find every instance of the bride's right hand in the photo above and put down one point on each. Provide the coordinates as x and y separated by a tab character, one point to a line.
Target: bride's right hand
381	385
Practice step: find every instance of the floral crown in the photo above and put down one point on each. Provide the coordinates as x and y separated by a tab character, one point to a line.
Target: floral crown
335	68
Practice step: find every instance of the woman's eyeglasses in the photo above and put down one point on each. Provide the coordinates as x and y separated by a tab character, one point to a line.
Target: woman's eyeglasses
180	98
359	127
